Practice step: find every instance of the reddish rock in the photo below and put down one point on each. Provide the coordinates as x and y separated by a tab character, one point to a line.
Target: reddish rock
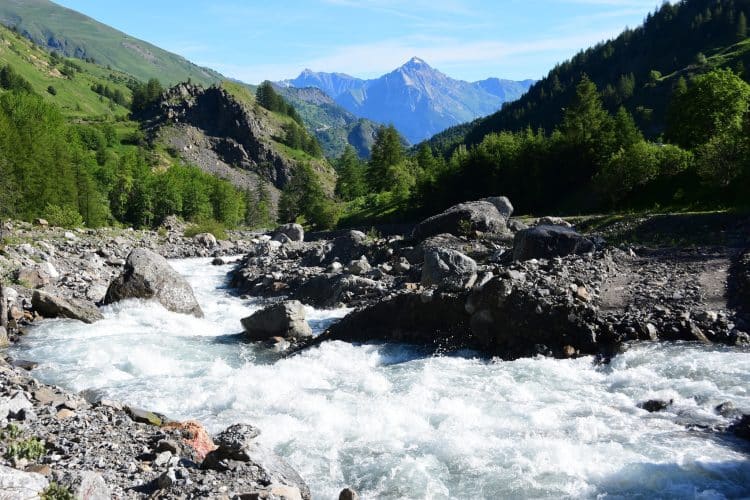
195	436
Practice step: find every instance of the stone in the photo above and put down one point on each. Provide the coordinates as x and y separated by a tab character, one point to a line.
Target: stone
554	221
70	236
47	397
448	270
654	405
207	240
359	267
285	319
65	413
144	416
51	306
16	484
348	494
49	269
741	428
194	435
18	403
237	443
41	222
461	220
32	277
218	261
294	232
347	247
546	242
91	486
503	205
148	275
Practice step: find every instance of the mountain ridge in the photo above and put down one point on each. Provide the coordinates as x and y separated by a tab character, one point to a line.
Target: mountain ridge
417	98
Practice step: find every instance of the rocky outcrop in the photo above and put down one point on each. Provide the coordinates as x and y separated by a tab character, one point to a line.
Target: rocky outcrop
545	242
285	319
238	451
51	306
148	275
463	219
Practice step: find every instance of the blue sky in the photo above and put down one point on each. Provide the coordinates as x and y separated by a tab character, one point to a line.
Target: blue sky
468	39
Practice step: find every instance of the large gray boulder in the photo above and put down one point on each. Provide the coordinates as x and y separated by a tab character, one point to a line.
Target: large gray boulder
52	306
285	319
503	205
448	269
462	219
237	448
329	290
546	242
148	275
294	232
19	485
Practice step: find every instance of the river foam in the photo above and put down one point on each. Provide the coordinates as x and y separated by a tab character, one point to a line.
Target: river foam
394	422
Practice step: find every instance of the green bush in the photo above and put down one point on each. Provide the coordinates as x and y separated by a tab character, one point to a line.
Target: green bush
65	216
206	226
30	449
57	492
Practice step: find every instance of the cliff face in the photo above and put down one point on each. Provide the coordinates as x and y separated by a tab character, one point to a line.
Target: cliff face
211	129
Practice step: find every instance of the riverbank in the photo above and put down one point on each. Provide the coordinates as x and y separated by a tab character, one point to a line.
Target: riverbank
434	292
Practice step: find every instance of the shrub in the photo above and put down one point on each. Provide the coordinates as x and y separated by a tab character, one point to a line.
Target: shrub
57	492
51	90
65	216
30	449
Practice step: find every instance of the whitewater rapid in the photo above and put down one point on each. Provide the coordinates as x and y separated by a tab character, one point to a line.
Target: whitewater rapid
393	422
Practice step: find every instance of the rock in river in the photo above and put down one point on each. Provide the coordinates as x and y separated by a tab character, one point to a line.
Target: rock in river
51	306
285	319
148	275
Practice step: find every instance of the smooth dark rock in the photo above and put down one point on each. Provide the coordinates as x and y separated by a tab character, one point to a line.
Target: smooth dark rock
654	405
51	306
463	219
285	319
545	242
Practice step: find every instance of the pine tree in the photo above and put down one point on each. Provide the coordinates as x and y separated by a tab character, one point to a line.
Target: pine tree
387	151
741	27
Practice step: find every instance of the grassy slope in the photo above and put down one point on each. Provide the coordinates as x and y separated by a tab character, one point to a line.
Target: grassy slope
74	95
81	36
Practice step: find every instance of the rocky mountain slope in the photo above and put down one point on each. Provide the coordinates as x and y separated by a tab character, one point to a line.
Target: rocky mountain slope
222	131
334	126
76	35
418	99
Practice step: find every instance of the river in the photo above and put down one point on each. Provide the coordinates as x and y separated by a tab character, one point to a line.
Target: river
392	421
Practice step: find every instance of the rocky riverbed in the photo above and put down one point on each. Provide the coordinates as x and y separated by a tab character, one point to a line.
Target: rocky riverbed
471	277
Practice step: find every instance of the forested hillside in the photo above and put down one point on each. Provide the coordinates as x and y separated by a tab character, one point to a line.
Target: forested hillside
638	70
655	119
70	152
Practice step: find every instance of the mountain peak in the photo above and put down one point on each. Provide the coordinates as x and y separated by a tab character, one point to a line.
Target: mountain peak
415	62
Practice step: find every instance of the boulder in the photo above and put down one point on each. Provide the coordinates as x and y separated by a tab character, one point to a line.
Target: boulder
503	205
348	494
148	275
91	486
358	267
463	219
329	290
195	436
294	232
741	428
546	242
237	444
32	277
207	240
285	319
16	484
347	247
51	306
448	270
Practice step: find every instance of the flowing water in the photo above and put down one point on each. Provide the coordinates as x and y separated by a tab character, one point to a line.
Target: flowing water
394	422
